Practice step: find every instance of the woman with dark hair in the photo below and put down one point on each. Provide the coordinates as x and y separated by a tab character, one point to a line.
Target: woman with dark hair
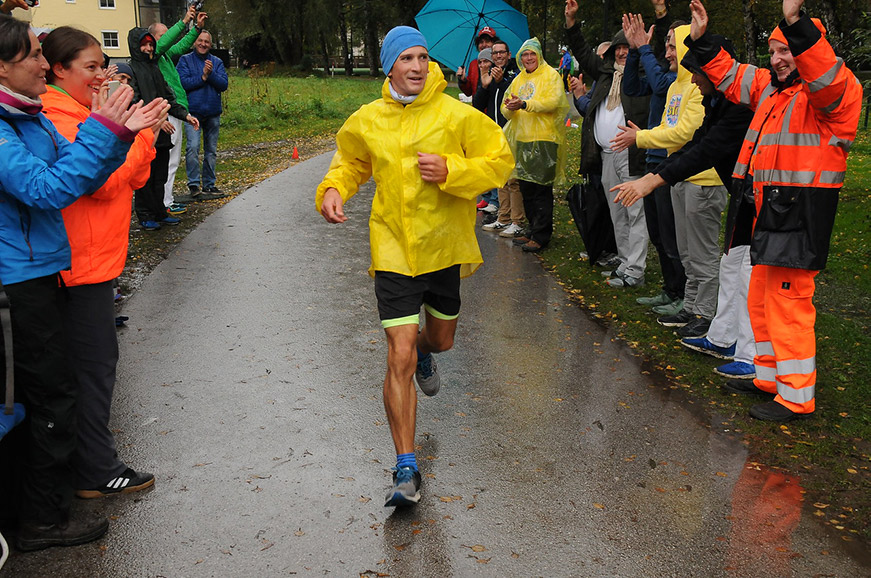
98	227
40	173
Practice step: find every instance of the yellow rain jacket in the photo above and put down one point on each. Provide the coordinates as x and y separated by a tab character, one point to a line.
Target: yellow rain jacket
684	113
537	134
417	227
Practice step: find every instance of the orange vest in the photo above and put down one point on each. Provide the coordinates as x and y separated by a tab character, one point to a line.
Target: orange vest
98	225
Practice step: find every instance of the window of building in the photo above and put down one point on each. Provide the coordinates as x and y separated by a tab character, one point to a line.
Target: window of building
107	4
110	39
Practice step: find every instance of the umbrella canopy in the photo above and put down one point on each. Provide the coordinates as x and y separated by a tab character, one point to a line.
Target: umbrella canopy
450	28
589	208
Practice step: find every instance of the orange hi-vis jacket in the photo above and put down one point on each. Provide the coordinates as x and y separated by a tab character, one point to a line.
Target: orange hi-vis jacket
98	224
796	148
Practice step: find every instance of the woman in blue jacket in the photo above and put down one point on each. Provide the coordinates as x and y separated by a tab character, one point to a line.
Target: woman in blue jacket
40	173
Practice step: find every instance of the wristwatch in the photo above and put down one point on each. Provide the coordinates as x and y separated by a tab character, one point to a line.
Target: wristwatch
523	105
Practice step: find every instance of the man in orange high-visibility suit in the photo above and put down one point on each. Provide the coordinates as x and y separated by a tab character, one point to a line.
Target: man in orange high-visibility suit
792	164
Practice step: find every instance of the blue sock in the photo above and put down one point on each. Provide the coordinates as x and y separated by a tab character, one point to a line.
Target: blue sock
420	354
406	461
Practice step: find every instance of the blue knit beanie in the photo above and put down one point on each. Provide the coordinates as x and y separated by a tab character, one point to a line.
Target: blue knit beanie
397	41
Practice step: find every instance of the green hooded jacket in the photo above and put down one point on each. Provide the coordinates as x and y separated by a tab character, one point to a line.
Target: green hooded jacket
172	45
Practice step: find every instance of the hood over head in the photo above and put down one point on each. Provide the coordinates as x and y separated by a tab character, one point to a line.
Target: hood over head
134	40
531	44
618	39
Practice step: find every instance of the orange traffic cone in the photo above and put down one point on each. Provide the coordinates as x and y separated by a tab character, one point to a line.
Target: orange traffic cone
295	155
569	122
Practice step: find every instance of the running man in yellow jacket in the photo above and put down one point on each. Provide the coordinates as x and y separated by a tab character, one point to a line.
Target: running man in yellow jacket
786	182
430	156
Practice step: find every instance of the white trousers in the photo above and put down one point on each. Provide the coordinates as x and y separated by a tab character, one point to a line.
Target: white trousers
732	322
174	159
630	228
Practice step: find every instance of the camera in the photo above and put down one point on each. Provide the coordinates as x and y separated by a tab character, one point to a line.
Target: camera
31	3
197	4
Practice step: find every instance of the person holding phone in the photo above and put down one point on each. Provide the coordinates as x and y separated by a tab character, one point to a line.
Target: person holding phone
41	172
98	227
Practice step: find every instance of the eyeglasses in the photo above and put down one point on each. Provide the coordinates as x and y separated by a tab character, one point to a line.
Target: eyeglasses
499	52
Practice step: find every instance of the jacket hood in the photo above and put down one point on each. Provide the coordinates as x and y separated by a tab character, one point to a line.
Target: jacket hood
531	44
618	39
134	39
435	84
680	35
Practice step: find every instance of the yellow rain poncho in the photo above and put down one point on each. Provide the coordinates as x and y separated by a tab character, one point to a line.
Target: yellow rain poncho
537	135
417	227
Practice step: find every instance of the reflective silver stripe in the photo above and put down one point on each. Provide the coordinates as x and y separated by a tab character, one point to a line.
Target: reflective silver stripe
765	373
799	139
729	78
764	348
827	78
769	90
797	366
752	135
802	395
844	143
833	106
784	176
740	169
832	177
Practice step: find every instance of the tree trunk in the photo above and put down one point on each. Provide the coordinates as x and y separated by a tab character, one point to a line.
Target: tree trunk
833	29
370	38
346	49
749	31
325	53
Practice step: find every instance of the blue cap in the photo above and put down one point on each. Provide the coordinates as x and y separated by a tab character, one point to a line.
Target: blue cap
397	41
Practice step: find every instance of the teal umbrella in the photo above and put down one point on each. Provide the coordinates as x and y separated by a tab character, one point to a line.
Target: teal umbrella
450	28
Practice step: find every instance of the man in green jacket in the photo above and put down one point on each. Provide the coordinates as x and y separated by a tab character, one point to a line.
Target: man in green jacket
172	43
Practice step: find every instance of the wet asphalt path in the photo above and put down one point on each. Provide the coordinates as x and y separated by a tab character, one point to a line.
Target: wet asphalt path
250	384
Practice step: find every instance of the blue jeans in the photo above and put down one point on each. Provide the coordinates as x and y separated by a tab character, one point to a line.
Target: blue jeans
209	127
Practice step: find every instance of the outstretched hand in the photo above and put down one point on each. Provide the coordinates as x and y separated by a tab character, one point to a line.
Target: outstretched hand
699	22
332	207
625	139
630	191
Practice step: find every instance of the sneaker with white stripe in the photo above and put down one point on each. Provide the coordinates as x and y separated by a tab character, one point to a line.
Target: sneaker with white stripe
129	481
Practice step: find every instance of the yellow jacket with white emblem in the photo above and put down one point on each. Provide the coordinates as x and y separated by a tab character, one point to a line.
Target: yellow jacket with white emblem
417	227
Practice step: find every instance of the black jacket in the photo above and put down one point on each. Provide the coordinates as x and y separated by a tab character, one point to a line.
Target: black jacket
635	108
489	100
148	82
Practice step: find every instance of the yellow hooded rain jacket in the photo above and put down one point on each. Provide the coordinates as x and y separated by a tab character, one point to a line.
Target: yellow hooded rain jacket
417	227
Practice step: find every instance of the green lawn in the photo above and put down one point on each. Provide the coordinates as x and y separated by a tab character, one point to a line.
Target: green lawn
831	452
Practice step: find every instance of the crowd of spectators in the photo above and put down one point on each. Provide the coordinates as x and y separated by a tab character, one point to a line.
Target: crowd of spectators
82	142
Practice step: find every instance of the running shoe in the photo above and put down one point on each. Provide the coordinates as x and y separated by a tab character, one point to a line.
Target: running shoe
129	481
702	345
513	230
496	226
427	375
737	370
406	488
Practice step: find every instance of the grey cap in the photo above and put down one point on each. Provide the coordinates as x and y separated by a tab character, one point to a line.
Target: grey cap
486	54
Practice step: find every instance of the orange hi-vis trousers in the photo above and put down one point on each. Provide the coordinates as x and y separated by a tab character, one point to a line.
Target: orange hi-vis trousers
782	314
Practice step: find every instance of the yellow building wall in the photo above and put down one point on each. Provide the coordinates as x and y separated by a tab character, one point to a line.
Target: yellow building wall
87	15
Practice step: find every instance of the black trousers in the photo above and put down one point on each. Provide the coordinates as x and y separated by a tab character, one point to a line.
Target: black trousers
94	350
659	214
538	204
46	386
148	201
